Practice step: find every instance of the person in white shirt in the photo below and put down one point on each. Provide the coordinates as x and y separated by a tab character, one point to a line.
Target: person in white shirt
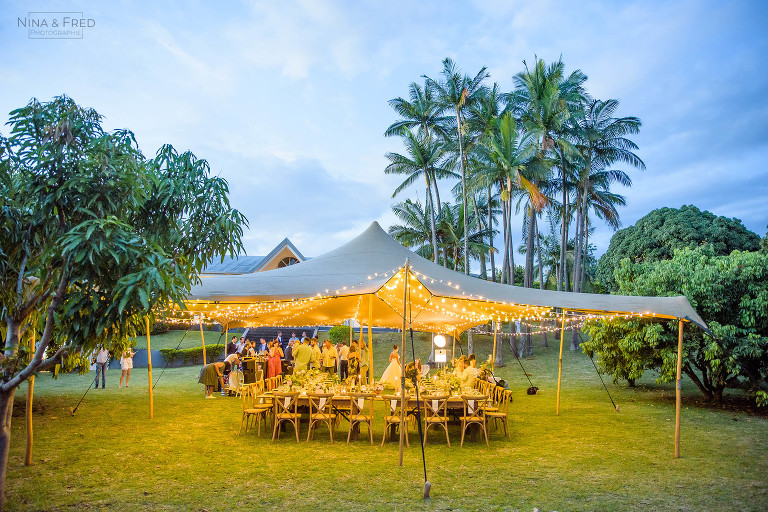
102	361
470	373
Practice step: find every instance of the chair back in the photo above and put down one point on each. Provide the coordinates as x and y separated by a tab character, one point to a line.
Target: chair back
473	406
504	401
394	403
285	402
246	395
359	402
320	403
435	406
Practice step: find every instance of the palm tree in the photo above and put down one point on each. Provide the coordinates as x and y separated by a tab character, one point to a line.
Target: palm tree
423	158
544	99
601	142
421	114
457	92
414	232
507	153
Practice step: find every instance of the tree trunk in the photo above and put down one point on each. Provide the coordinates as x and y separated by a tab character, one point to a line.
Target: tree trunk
511	242
584	252
577	247
505	235
483	270
563	227
490	235
463	193
431	217
529	270
542	323
6	412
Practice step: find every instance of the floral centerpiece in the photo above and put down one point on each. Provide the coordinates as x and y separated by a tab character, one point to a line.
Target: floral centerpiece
445	379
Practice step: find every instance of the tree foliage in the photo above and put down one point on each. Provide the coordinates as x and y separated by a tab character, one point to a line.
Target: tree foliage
657	235
729	292
94	236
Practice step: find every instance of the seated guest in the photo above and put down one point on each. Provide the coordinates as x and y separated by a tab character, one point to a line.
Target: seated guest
470	372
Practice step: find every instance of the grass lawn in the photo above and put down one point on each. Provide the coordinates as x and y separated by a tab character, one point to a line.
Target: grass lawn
111	456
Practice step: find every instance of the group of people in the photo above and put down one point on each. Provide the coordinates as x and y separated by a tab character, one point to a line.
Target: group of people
465	368
101	359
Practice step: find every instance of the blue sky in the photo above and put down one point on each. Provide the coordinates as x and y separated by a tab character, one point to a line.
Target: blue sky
288	100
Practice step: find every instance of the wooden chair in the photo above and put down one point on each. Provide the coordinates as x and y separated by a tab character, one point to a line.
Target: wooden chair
494	397
321	411
251	410
501	414
436	414
394	403
258	388
361	411
474	414
285	410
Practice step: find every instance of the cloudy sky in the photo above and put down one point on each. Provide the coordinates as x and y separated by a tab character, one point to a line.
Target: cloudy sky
288	100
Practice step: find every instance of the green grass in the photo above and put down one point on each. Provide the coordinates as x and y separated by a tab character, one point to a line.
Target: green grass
111	456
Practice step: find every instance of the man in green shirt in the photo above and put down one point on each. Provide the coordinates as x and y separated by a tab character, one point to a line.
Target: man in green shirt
302	356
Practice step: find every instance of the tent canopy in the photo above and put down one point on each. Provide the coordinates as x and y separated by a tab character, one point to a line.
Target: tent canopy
364	278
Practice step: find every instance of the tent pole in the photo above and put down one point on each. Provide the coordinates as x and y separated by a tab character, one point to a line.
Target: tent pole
370	338
202	337
495	330
678	386
403	404
149	368
453	350
30	395
560	362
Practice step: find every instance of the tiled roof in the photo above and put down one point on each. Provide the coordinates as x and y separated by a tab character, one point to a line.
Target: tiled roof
234	265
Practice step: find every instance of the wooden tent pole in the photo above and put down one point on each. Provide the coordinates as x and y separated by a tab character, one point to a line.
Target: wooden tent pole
30	395
560	362
403	404
678	386
202	337
495	330
453	350
370	338
149	368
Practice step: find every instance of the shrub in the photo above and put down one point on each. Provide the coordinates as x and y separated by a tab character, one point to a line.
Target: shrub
339	333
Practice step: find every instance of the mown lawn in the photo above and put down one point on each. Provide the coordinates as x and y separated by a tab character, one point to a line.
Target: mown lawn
111	456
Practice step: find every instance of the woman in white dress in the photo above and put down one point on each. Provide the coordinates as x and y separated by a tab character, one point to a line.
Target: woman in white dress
392	374
126	364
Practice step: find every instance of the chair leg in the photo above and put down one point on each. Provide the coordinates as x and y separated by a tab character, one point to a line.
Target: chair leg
447	439
370	432
349	434
296	424
330	427
463	430
275	430
384	437
240	430
406	434
485	431
309	430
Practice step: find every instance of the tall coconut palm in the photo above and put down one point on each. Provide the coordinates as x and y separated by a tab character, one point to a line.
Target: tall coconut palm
420	113
415	231
508	153
423	159
456	91
601	142
544	98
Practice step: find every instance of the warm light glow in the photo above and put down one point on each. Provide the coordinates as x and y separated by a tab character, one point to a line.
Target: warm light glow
440	341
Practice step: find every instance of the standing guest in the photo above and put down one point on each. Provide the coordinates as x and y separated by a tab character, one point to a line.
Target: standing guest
262	347
294	339
233	360
212	375
102	361
353	358
274	366
303	356
126	364
363	362
330	356
240	344
232	346
317	354
289	352
250	351
303	335
343	361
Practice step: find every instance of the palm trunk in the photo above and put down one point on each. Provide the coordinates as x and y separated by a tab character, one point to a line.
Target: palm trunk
483	270
511	242
584	253
463	193
431	217
542	323
490	236
562	275
505	235
529	270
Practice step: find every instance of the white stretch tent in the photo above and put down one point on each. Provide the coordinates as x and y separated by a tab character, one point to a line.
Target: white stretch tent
338	285
365	279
